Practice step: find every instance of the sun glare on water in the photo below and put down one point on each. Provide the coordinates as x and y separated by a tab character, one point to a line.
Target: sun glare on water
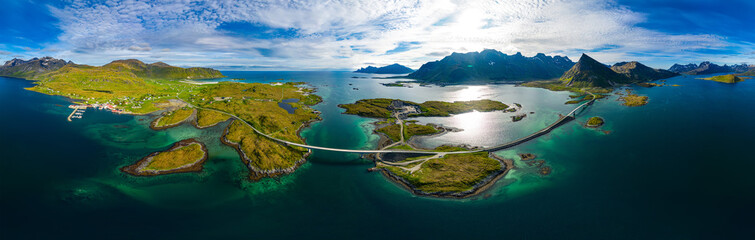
470	93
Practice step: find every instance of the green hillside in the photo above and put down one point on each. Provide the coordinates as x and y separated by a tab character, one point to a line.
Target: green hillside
131	85
160	70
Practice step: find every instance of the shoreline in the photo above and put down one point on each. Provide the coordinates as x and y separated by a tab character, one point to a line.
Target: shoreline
197	166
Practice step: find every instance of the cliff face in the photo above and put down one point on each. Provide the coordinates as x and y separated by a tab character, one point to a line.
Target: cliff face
637	72
390	69
31	68
590	73
491	65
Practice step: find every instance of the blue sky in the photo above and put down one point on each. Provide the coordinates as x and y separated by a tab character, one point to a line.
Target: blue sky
343	35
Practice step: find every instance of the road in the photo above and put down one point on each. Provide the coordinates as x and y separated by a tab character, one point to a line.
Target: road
559	122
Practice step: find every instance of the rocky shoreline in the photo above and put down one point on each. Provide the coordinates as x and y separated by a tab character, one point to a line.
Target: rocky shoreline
136	168
482	186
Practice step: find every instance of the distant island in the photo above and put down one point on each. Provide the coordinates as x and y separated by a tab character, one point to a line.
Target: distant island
705	68
729	78
491	66
390	69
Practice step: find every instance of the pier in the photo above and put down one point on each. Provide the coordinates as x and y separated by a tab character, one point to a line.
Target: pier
78	111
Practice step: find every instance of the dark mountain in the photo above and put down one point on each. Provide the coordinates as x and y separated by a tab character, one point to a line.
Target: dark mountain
33	67
590	73
707	68
390	69
637	72
491	65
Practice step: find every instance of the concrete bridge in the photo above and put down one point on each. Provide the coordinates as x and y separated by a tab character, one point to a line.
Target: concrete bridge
561	121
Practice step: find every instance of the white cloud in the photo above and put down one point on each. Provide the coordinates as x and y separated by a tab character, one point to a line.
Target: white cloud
347	34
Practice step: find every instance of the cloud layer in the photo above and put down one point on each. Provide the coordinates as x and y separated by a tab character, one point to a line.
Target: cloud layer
345	34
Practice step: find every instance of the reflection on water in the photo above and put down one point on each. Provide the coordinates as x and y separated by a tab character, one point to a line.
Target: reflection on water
49	166
471	93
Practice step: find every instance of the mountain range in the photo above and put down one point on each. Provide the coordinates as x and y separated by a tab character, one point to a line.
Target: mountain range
708	68
588	72
390	69
491	65
50	68
27	69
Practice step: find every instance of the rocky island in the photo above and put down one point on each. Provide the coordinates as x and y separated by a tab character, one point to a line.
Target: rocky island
594	122
630	99
184	156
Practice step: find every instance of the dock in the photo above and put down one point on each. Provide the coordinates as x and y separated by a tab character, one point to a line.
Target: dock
78	111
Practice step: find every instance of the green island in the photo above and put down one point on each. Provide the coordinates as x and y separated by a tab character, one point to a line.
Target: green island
172	118
455	175
381	107
633	100
184	156
209	118
729	78
595	122
394	84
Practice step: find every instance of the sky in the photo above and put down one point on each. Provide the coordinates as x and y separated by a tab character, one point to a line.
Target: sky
348	34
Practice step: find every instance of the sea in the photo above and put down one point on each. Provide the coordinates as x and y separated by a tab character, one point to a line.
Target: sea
681	167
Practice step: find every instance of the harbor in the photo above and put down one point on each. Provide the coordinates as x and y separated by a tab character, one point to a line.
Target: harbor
78	110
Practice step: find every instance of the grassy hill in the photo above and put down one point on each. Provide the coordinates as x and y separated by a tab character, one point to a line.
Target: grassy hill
161	70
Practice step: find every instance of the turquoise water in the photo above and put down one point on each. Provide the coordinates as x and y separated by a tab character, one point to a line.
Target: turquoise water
679	168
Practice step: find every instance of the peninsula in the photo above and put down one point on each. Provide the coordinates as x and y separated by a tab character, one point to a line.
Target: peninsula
390	69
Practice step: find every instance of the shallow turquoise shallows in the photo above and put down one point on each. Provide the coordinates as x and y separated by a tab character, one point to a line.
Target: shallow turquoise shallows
681	167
